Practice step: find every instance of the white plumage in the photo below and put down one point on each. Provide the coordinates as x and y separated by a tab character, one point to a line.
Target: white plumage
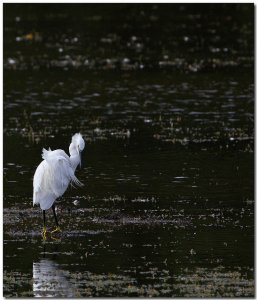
56	172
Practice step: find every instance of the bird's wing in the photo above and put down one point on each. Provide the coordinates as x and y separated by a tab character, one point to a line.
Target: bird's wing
42	195
52	177
65	168
59	171
37	180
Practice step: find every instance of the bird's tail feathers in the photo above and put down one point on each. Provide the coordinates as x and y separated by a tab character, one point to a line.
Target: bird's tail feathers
35	200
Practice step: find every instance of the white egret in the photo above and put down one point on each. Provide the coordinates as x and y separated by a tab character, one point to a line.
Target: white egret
54	174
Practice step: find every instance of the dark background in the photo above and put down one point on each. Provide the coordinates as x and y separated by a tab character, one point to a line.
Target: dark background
164	96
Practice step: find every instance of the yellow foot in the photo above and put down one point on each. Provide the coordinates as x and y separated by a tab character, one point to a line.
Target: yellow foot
57	229
44	233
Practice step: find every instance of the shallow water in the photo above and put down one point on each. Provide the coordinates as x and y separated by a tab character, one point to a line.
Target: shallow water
167	111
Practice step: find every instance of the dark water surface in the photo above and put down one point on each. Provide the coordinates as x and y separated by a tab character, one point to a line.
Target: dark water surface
164	96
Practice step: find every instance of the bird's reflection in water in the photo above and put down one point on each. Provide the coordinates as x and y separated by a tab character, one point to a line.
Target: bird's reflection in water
49	280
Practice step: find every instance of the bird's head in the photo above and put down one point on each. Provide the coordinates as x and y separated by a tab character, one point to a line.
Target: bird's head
77	145
78	142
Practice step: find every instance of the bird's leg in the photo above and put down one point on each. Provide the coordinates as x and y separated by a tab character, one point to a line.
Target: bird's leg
44	226
56	221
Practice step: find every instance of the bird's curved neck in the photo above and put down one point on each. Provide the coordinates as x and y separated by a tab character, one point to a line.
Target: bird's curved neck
74	156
